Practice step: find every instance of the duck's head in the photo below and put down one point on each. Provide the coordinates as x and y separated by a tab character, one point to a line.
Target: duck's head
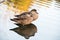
34	14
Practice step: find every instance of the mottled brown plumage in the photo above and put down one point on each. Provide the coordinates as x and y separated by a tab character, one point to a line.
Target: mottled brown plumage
26	17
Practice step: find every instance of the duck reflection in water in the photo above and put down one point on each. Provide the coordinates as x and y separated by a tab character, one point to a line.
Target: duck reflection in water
27	31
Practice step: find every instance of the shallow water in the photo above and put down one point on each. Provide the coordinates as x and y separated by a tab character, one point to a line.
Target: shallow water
48	23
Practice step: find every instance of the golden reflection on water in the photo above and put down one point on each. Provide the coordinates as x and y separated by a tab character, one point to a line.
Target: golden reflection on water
19	6
26	31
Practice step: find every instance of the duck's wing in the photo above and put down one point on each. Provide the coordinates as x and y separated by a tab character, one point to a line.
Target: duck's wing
22	14
17	15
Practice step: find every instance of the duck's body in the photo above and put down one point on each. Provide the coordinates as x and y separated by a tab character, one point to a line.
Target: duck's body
26	17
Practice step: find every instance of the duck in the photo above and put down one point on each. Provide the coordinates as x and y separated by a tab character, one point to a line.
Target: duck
26	17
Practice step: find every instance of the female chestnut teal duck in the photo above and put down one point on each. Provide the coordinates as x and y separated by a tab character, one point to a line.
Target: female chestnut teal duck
26	17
